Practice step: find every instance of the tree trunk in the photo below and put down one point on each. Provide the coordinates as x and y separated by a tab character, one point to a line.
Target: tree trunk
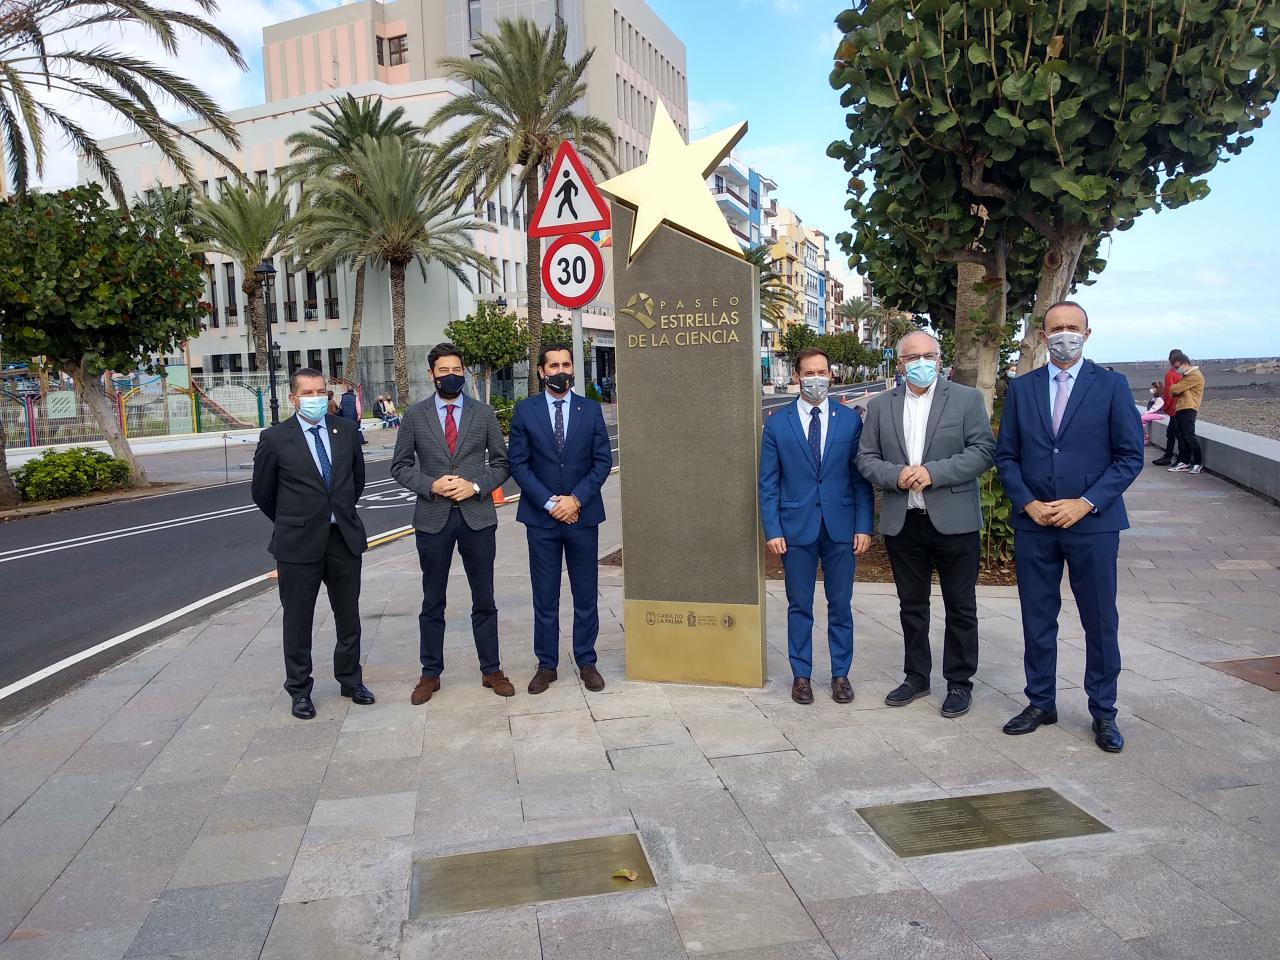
399	351
357	317
90	390
980	324
257	322
1056	273
533	276
486	378
8	492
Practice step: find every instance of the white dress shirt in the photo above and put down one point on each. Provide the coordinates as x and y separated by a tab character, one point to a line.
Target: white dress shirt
441	403
915	421
310	438
804	407
551	412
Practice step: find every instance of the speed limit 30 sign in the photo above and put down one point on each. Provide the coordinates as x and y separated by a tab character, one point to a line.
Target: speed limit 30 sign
572	270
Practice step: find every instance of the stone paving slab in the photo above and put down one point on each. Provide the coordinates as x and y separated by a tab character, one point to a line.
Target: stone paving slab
171	807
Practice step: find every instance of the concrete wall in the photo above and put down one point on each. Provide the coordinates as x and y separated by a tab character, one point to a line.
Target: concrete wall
1253	462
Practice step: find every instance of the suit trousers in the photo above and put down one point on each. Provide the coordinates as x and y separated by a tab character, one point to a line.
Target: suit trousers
339	571
576	548
800	571
913	556
1091	568
435	555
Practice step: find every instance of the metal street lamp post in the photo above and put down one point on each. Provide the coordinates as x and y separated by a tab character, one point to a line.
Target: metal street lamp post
266	274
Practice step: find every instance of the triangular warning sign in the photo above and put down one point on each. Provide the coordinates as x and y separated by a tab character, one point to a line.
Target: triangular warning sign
570	202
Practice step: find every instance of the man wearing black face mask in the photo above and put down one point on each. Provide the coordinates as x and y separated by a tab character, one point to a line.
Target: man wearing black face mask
451	454
561	457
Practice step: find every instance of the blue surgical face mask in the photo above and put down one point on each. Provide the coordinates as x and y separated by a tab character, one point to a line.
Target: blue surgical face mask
922	372
313	408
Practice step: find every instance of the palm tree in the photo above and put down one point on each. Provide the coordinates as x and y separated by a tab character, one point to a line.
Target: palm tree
394	209
775	295
324	151
40	53
249	224
856	310
519	110
172	208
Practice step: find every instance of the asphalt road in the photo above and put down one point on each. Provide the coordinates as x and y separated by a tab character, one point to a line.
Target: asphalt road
76	579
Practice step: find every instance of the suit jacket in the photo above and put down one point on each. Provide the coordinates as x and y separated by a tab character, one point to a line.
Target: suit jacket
1096	455
796	497
958	448
289	489
421	458
544	472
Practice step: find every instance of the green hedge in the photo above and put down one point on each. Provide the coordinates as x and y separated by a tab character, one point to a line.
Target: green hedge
70	473
504	408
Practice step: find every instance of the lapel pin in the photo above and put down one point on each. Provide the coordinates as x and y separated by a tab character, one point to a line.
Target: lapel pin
335	431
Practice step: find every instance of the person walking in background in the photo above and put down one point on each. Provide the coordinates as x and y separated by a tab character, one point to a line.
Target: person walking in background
308	473
349	408
1070	445
1171	376
925	445
1155	411
815	505
451	454
561	457
1188	394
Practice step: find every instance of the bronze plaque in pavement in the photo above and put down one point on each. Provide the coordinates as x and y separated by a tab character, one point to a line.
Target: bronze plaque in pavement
507	878
1264	671
927	827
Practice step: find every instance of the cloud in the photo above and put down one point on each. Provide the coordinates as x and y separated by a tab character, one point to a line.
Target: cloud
707	114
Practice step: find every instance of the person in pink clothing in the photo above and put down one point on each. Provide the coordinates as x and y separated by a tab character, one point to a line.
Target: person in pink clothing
1155	410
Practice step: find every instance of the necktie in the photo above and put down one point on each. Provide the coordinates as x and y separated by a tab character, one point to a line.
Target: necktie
1060	399
450	429
815	435
560	425
326	468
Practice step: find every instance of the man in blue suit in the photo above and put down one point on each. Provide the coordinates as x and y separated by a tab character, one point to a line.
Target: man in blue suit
815	505
560	457
1070	444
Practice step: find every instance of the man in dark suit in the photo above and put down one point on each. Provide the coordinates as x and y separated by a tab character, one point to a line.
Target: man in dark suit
308	473
925	444
561	457
1070	444
814	505
451	454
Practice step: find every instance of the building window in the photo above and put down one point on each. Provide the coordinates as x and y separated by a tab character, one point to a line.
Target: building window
491	211
309	300
335	363
719	182
261	177
204	188
290	294
382	51
232	299
504	216
213	295
313	360
515	217
473	18
233	363
331	294
216	362
398	50
295	360
222	185
755	200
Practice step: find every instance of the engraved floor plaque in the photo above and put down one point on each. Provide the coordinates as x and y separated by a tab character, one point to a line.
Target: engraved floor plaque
1264	671
507	878
927	827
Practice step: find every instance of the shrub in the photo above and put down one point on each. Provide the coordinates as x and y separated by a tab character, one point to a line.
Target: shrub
997	531
70	473
504	408
592	392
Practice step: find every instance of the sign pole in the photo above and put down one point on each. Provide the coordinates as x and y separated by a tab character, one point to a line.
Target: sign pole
578	367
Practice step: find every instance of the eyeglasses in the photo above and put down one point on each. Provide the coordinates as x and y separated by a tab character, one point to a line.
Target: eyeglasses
913	357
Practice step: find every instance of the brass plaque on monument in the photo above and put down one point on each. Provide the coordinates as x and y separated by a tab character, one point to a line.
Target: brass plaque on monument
493	879
926	827
689	405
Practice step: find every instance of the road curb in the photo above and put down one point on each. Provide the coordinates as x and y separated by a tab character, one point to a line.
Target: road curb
77	503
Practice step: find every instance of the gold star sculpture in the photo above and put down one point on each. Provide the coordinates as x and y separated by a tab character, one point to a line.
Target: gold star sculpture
671	187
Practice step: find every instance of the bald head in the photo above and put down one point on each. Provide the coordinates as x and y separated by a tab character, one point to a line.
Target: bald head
918	343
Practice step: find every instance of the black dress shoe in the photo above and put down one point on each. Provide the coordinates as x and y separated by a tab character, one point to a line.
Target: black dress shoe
1162	462
905	694
303	708
841	690
802	690
1028	720
358	694
957	702
1107	736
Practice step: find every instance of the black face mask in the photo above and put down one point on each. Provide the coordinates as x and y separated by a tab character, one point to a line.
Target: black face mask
450	385
559	382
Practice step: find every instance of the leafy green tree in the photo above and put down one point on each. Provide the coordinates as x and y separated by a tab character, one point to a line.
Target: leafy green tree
92	289
324	150
49	46
524	100
489	339
394	209
797	337
775	295
1070	118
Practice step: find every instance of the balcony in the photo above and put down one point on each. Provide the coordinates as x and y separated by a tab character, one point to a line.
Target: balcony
724	193
331	308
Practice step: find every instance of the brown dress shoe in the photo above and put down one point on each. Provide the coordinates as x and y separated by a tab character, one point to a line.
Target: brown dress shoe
541	680
841	690
423	691
591	677
499	684
802	690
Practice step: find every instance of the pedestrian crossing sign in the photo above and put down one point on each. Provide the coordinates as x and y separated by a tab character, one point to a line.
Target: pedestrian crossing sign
570	202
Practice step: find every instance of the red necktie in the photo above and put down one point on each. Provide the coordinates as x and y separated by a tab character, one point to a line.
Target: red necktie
450	429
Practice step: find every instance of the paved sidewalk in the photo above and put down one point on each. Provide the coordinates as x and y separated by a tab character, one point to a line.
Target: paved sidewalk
172	807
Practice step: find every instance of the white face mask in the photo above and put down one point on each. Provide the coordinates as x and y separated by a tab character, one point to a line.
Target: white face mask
815	388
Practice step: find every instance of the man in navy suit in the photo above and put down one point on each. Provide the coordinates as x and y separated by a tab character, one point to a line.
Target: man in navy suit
814	504
560	457
1070	444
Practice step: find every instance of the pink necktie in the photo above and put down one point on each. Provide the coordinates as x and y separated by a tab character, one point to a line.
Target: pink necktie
1060	399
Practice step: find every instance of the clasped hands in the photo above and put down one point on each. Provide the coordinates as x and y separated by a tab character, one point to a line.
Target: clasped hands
1058	513
454	488
861	544
914	478
566	509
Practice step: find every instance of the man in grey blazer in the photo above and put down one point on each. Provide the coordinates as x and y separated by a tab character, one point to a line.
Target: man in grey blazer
450	453
925	443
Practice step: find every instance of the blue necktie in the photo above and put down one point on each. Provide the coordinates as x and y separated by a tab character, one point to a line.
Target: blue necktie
326	468
815	435
560	425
